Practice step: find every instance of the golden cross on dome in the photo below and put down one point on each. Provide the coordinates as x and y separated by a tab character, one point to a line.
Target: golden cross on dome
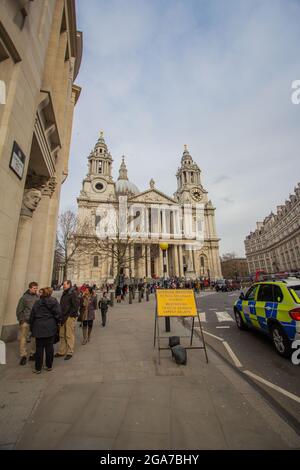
185	147
101	134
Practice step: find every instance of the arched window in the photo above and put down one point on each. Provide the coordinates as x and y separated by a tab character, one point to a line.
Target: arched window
100	167
96	261
202	261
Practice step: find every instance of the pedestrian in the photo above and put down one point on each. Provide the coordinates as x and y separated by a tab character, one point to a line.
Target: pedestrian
118	293
24	307
103	306
88	305
45	319
69	303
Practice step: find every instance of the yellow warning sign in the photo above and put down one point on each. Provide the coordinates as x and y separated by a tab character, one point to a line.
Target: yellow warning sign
176	303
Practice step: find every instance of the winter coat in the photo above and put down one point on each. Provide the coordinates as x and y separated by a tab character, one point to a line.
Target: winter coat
25	305
45	317
87	308
69	303
118	290
103	304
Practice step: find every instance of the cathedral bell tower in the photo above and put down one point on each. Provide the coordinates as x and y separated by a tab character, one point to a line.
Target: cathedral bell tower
98	183
100	160
189	187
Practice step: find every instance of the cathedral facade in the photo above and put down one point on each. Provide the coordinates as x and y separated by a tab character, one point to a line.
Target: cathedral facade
182	225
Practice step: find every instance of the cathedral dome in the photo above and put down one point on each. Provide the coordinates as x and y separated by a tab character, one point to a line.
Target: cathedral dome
123	186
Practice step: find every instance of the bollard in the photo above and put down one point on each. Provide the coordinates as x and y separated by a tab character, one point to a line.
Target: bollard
133	293
130	297
140	296
112	299
147	295
167	323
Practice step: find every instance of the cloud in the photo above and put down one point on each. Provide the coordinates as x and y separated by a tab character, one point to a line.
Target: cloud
221	178
215	75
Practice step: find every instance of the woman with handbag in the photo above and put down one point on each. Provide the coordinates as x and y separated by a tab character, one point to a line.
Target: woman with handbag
88	305
44	321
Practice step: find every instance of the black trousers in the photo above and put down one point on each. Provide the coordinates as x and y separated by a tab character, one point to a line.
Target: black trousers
41	345
103	315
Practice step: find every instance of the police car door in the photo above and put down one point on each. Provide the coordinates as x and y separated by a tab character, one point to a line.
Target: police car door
248	305
265	305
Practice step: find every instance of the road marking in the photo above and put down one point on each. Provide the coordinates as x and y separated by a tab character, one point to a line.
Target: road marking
275	387
202	316
232	355
214	336
214	309
224	316
223	327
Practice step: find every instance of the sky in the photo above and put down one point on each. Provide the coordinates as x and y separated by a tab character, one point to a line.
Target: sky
213	74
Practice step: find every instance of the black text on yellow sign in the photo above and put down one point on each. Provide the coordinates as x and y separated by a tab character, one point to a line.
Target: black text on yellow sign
176	303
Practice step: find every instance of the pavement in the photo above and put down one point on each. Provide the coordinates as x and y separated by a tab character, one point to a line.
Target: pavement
114	395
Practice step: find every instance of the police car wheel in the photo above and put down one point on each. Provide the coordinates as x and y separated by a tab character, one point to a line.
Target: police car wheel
239	321
280	341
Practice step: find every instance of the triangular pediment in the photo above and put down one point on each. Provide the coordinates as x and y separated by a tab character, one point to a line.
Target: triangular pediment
154	196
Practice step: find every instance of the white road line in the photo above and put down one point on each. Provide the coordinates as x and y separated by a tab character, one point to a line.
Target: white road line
223	327
202	316
232	355
275	387
224	316
214	309
214	336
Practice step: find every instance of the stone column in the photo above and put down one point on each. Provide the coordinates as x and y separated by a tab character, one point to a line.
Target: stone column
131	260
180	261
161	267
143	262
175	255
148	255
17	284
156	264
109	264
50	239
39	235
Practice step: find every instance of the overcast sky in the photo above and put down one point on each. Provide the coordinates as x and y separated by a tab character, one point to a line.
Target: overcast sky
216	75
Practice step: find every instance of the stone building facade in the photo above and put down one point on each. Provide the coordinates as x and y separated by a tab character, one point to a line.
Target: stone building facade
234	268
40	56
155	218
275	244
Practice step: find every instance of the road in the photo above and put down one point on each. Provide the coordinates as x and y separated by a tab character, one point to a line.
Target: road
251	352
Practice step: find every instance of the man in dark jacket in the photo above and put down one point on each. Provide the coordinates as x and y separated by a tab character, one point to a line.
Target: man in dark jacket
24	307
69	304
103	306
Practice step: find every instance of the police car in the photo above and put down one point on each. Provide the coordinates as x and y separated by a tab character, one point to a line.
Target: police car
274	308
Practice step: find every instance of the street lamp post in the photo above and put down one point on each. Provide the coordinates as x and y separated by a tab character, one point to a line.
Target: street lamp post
164	247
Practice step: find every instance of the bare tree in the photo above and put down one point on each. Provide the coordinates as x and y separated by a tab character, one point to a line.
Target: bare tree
122	245
73	238
228	256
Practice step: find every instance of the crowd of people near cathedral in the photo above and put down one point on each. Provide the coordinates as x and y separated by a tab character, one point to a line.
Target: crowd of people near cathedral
45	321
